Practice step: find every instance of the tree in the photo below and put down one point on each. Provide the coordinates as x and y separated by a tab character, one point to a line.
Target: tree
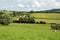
14	13
5	19
1	13
31	11
26	20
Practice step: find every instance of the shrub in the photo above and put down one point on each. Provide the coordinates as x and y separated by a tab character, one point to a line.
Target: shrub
5	19
37	23
15	21
26	20
1	13
14	13
41	22
31	20
21	20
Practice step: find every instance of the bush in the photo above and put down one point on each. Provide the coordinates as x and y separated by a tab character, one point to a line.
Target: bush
21	20
1	13
14	13
26	20
5	19
37	23
15	21
31	20
41	22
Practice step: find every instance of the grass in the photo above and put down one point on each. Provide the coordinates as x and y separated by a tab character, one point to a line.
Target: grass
47	17
48	21
28	32
16	31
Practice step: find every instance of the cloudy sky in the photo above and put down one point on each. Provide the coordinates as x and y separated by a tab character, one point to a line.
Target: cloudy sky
27	5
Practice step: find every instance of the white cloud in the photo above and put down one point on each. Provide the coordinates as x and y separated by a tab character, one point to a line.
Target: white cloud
11	6
18	0
58	4
21	5
44	4
36	4
39	4
27	5
23	0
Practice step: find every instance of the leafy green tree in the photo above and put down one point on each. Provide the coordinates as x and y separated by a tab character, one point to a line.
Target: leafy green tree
14	13
26	19
5	19
1	13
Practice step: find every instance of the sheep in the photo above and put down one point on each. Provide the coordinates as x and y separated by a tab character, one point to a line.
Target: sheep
55	27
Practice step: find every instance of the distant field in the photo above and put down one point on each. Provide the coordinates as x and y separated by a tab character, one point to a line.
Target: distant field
28	32
47	17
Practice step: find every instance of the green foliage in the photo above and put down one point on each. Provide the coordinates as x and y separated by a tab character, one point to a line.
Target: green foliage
14	13
1	12
26	19
5	19
8	19
42	22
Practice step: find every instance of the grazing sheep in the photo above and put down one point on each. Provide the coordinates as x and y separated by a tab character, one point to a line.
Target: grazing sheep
58	26
55	27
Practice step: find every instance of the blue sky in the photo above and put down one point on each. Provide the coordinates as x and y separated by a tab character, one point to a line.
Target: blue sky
27	5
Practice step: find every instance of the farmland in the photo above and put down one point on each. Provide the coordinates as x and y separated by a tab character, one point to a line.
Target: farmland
47	17
23	31
28	32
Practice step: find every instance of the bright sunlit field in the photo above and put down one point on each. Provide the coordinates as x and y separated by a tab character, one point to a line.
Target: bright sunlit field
28	32
21	31
47	17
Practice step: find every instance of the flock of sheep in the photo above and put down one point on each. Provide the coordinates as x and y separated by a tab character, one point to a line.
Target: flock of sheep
55	27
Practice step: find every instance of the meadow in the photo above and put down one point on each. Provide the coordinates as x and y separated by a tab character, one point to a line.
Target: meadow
47	17
28	32
23	31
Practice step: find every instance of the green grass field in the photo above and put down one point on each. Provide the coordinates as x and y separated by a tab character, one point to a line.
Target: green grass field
47	17
16	31
28	32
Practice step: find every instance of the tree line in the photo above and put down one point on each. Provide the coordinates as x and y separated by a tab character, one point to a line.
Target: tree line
6	19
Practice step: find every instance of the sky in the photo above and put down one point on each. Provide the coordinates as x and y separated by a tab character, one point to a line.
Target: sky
28	5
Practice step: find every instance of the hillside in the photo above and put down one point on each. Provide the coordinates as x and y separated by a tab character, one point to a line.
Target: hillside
47	11
53	10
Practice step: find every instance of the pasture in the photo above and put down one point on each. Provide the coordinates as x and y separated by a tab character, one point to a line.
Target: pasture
21	31
47	17
16	31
